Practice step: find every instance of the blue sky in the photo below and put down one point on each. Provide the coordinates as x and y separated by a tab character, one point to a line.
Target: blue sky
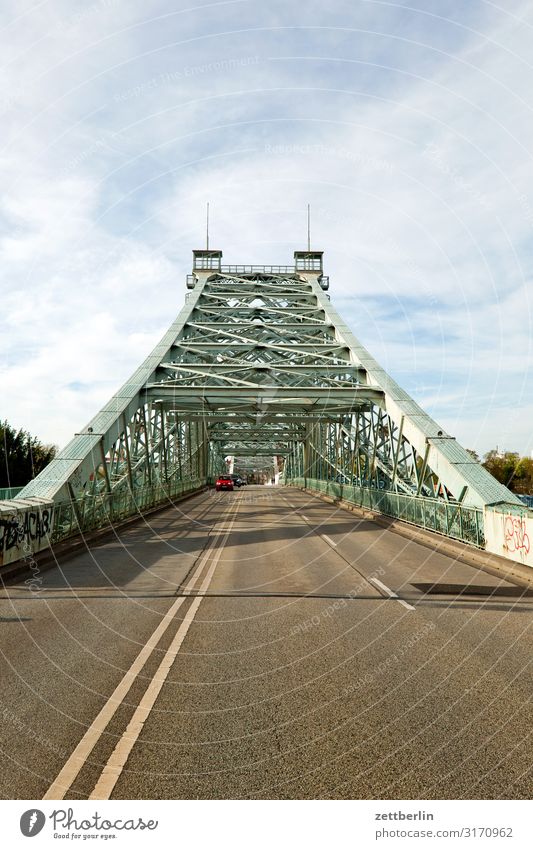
407	126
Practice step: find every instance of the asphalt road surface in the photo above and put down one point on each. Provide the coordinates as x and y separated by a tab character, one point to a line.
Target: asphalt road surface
264	644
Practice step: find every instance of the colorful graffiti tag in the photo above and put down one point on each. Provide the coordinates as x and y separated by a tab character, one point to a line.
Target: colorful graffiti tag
516	538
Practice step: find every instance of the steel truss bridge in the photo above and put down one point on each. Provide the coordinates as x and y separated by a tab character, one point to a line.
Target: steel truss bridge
259	366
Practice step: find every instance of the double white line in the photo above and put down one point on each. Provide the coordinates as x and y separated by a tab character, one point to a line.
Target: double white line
113	768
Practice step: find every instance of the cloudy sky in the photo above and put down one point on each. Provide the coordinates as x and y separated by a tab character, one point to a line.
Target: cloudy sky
408	126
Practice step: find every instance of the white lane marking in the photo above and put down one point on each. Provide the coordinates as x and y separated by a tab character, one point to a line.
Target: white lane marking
78	758
390	593
385	589
329	540
113	769
324	536
405	604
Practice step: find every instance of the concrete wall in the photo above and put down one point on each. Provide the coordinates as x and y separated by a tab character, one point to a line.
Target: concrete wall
509	533
25	528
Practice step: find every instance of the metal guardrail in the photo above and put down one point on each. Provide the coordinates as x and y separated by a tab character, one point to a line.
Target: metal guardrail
92	512
433	514
254	269
9	492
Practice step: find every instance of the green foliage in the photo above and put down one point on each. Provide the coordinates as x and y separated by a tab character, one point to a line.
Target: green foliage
513	471
22	456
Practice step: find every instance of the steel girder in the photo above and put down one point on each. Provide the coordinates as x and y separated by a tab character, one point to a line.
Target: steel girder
259	364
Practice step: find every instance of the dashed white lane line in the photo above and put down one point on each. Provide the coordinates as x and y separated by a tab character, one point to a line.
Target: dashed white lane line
79	756
324	536
405	604
374	581
113	769
329	540
390	593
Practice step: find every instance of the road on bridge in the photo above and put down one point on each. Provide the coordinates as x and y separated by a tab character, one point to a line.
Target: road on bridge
264	644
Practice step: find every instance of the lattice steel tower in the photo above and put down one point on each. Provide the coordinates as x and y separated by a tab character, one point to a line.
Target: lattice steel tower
259	364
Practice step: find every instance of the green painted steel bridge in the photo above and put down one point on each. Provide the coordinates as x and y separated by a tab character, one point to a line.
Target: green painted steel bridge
260	368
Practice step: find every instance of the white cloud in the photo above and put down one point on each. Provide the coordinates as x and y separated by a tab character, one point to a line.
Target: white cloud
410	135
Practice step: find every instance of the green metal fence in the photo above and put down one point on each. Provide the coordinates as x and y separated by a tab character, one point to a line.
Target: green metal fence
9	492
101	510
443	517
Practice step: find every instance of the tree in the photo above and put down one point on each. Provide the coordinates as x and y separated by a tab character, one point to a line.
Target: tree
509	468
523	479
22	456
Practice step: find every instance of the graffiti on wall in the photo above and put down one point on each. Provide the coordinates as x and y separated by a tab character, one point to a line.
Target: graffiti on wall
509	533
516	537
25	530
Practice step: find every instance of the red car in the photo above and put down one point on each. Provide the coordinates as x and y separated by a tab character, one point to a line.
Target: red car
224	482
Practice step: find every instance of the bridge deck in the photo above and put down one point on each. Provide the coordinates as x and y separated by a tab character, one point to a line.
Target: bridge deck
318	665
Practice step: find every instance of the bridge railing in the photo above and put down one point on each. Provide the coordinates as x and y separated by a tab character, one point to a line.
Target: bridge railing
92	512
9	492
254	269
442	517
29	526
